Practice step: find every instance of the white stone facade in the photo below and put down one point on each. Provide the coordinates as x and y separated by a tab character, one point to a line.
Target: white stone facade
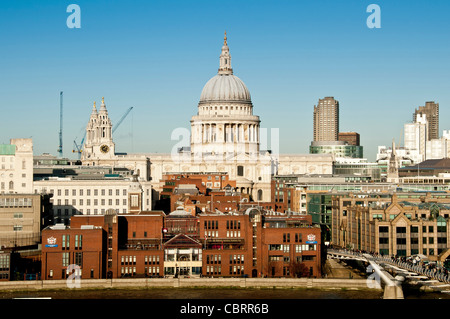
16	166
93	197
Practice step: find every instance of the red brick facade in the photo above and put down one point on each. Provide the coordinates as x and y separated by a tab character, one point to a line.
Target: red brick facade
153	244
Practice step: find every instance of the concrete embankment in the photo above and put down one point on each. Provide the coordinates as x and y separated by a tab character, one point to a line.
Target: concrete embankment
188	282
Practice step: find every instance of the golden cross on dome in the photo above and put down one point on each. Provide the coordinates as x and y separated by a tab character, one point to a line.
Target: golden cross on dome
225	38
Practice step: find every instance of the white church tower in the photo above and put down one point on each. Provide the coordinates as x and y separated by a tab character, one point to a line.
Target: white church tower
98	144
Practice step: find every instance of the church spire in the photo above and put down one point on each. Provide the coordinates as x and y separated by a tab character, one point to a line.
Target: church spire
225	58
103	105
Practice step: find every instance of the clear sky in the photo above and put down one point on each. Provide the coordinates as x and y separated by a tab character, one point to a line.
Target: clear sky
156	56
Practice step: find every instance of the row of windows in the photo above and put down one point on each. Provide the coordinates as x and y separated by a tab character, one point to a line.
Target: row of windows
95	192
297	237
211	224
78	241
16	202
214	224
414	241
95	211
230	234
78	259
236	270
403	252
236	259
125	260
298	248
415	229
88	202
233	224
213	259
213	270
4	262
10	185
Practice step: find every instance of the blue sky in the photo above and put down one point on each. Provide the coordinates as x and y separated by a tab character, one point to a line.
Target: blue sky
156	56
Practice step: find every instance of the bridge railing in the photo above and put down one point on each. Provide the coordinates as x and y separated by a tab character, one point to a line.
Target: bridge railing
433	273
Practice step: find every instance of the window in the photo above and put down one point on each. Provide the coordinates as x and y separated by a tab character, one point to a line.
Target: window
79	259
384	229
65	241
78	241
260	194
65	259
240	171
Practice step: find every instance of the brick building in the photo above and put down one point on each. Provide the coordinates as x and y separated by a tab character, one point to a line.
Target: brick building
246	243
402	224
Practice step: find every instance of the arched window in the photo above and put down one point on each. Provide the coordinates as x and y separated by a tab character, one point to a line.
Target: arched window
11	185
260	194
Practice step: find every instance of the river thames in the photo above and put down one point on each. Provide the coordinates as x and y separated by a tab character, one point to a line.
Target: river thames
215	293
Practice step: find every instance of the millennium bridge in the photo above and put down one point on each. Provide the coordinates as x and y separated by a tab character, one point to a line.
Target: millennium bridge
404	271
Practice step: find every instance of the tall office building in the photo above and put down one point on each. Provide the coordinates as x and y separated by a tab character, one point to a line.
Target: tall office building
416	135
326	120
431	110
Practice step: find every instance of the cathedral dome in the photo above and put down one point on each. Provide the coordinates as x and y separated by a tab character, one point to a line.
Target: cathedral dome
225	87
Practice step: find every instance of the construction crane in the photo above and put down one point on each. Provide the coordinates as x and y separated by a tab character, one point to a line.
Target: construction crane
78	148
123	117
60	148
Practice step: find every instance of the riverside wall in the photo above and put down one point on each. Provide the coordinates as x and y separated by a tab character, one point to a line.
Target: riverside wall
138	283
